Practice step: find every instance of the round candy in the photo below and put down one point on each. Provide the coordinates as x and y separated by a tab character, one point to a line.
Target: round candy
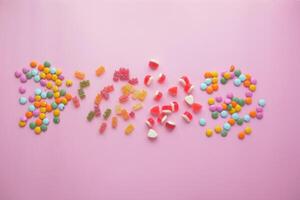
22	90
237	82
29	75
61	106
259	115
240	121
22	100
226	126
56	120
219	99
248	130
211	101
230	95
202	122
247	118
18	74
209	132
44	127
224	133
31	108
235	116
242	77
218	129
215	115
208	81
37	130
32	125
23	79
34	72
224	114
25	70
241	135
37	91
69	83
47	64
203	86
37	78
237	73
261	102
44	95
52	70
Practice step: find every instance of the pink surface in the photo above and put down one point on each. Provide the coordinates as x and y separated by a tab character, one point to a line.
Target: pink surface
72	161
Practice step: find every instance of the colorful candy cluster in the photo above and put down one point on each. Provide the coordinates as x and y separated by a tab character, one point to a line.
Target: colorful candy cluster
46	99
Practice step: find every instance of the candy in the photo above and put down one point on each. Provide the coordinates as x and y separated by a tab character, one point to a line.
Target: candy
140	95
153	64
184	80
172	91
158	95
152	134
125	114
224	133
69	83
215	115
123	98
224	114
162	118
56	120
148	80
187	116
170	125
241	135
76	102
133	81
107	113
208	132
137	106
166	109
132	114
203	86
237	82
18	74
129	129
226	126
84	84
202	122
90	116
22	100
79	75
155	111
188	88
81	93
189	100
37	130
161	78
259	115
102	127
118	109
97	110
196	107
22	90
123	74
114	122
150	122
100	70
218	129
175	106
211	101
261	102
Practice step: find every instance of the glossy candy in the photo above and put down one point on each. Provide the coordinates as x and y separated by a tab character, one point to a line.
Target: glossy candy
202	122
129	129
114	122
172	91
100	70
161	78
170	125
187	116
153	64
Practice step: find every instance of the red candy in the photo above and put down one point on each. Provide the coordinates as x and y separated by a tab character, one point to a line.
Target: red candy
184	80
166	109
132	114
102	127
173	91
76	102
175	106
148	80
123	98
133	81
162	118
158	95
187	116
97	110
121	74
155	111
153	64
170	125
196	107
150	122
161	78
188	88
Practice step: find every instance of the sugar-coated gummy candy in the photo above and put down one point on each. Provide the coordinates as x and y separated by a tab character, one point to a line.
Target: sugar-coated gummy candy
81	93
137	106
97	111
102	127
90	116
84	83
125	114
75	101
79	75
155	111
118	109
100	70
123	98
114	122
129	129
187	116
133	81
107	113
132	114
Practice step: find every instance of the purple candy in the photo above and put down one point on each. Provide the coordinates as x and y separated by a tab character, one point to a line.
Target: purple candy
36	113
23	119
23	79
259	115
227	101
232	75
22	90
43	83
18	74
212	108
219	108
253	81
61	77
219	99
249	94
25	70
259	109
229	95
31	99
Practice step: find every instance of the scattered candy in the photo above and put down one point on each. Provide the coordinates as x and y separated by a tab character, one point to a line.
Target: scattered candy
153	64
172	91
152	134
129	129
161	78
102	127
187	116
150	122
90	116
107	113
79	75
114	122
158	95
189	100
170	125
100	70
148	80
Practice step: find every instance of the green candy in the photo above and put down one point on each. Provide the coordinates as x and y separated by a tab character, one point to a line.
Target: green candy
62	92
49	95
235	99
56	120
215	115
223	80
32	125
241	102
224	133
54	105
44	127
28	75
47	64
237	73
240	121
90	116
229	107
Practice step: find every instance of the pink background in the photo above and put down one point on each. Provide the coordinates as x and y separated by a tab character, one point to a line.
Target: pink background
72	161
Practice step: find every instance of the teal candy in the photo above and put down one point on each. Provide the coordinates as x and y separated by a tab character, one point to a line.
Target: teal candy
49	95
226	126
242	77
52	70
203	86
32	125
34	72
54	105
46	121
56	120
224	133
237	73
262	102
202	122
47	64
37	91
44	127
37	78
215	115
44	95
247	118
208	81
28	75
31	107
22	100
224	114
237	82
235	116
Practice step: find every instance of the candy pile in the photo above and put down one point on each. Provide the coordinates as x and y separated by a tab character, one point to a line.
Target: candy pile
230	106
46	99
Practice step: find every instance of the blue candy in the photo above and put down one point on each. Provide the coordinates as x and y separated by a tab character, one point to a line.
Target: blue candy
262	102
207	81
52	70
237	82
31	108
226	126
203	86
202	122
38	91
34	72
242	77
61	106
46	121
224	114
37	78
235	116
246	118
44	95
22	100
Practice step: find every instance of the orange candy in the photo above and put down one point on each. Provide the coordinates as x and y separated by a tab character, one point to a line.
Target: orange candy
232	68
68	96
100	70
224	106
37	104
79	75
233	103
58	100
215	87
241	135
209	90
207	75
48	108
33	64
38	122
248	100
231	121
247	83
41	67
48	76
28	114
252	113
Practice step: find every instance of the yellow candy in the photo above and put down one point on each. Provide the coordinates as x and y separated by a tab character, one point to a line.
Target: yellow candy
127	89
252	88
118	109
64	101
100	70
140	95
37	98
43	110
43	103
22	123
218	129
56	112
56	94
54	77
46	70
211	101
129	129
55	88
232	111
49	85
248	130
208	132
69	83
238	108
42	75
58	82
227	75
215	74
58	72
214	80
37	130
137	106
42	116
